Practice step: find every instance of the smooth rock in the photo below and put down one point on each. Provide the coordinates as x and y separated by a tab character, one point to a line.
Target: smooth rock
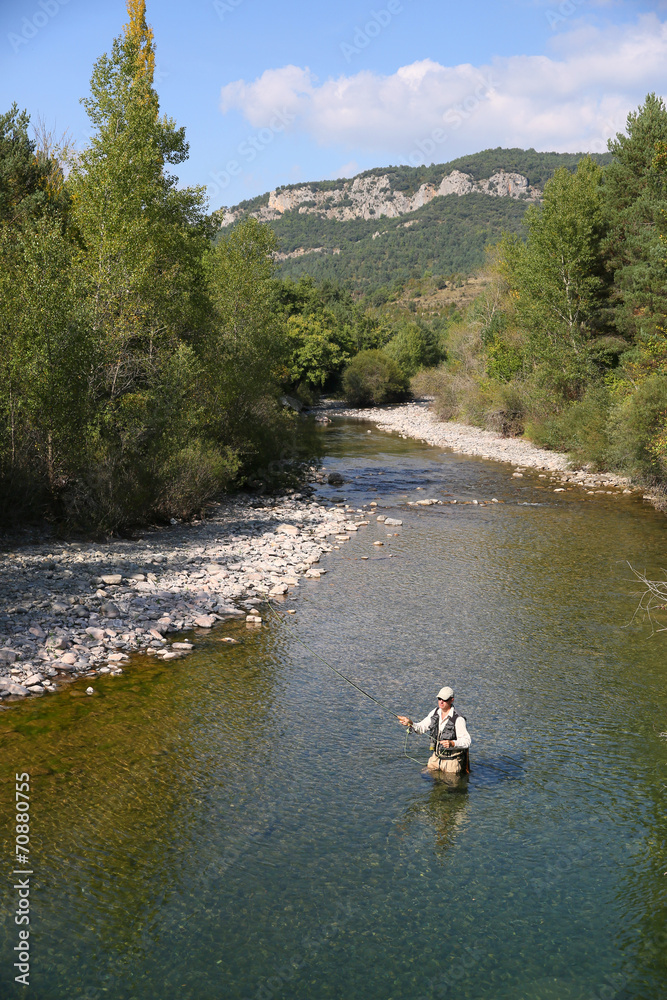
392	520
90	691
287	529
109	610
14	688
8	655
280	588
182	645
113	579
205	621
335	479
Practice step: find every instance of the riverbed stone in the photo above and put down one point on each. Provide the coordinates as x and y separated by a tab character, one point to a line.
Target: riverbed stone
205	621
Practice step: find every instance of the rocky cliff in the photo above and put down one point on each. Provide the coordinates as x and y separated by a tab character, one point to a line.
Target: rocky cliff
371	196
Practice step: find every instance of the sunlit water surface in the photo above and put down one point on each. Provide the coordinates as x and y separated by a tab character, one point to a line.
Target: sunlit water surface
243	824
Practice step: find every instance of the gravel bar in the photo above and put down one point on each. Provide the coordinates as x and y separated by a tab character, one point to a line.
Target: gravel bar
72	609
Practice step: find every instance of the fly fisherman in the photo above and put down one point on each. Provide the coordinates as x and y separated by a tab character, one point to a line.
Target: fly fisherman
450	738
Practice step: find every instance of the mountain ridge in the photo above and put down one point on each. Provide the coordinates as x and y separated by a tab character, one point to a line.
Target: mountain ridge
437	218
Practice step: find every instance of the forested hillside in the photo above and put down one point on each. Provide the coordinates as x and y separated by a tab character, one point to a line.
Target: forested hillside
568	342
391	224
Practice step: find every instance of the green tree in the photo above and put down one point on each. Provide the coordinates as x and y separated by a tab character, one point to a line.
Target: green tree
143	238
139	271
44	363
319	349
244	353
26	177
635	199
557	279
373	378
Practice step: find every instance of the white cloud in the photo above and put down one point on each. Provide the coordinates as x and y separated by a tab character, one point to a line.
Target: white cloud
349	169
572	99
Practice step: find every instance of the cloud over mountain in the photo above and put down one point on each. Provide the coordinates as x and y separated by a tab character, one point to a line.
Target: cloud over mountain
574	98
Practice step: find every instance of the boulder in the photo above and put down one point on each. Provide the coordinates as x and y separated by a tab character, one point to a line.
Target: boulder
335	479
13	688
112	579
392	520
205	621
8	655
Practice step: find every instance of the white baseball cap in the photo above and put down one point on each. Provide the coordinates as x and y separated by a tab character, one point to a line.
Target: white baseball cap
445	693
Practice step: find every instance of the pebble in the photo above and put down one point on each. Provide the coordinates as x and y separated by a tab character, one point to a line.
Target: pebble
93	604
416	421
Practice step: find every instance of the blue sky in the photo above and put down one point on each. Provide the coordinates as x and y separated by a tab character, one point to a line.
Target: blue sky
275	93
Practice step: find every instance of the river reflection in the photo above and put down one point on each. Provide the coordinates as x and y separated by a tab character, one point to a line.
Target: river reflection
242	824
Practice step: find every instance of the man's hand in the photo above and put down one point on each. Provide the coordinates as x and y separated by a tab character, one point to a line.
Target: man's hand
447	743
404	721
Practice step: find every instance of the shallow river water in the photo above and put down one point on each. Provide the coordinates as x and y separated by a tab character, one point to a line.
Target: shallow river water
243	824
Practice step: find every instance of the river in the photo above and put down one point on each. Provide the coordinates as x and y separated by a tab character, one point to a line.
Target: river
243	824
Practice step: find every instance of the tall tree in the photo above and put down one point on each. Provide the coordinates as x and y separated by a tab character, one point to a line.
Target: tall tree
556	278
635	200
30	180
143	237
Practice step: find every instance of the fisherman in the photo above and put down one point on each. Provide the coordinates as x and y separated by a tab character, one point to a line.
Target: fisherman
450	738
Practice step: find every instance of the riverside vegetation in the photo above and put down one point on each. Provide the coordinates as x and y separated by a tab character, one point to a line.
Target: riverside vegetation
150	362
142	363
568	342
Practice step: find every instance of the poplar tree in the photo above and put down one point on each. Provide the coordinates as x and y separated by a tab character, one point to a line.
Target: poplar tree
143	238
140	273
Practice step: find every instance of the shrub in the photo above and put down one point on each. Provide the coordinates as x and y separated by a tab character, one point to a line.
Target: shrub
638	428
581	429
373	378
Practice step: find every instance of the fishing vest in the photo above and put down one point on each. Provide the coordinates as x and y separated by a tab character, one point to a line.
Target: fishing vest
448	732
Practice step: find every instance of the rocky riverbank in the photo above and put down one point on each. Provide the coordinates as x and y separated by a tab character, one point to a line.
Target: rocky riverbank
72	609
415	420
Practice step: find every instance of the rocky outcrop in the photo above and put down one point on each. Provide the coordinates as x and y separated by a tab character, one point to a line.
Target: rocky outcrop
370	196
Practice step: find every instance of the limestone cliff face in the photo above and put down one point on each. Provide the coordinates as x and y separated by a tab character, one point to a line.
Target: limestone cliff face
371	197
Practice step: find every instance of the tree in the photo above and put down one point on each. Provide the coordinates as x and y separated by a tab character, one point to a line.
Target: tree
244	353
139	271
635	199
143	238
373	378
23	175
556	279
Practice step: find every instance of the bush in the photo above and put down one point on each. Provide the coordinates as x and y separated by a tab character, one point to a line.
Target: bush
412	348
581	429
638	430
373	378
